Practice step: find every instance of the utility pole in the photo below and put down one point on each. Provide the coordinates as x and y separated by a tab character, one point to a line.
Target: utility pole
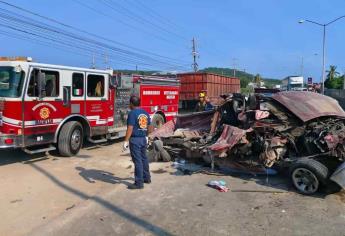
195	55
234	66
344	81
106	61
323	46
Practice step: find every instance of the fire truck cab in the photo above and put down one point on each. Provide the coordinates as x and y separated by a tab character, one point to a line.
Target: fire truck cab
45	107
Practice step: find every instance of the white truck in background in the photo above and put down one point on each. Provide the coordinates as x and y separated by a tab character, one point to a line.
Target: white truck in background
293	83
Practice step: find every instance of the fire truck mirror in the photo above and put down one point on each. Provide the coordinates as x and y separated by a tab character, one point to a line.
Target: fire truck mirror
42	84
66	96
113	82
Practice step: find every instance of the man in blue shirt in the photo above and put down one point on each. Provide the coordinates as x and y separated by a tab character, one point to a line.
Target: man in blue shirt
138	127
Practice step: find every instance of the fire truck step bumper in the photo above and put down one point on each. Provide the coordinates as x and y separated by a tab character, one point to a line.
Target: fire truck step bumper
117	135
40	150
94	141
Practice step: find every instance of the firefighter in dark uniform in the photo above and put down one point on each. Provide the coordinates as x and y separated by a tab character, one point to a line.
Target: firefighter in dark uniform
138	127
204	103
200	106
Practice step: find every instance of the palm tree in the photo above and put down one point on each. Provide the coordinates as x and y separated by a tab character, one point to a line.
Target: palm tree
332	73
257	80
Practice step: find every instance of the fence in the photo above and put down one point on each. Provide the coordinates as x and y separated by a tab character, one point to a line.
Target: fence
338	94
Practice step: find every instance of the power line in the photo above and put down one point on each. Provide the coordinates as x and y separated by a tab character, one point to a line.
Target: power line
49	27
59	47
154	14
132	15
74	46
89	42
80	30
142	29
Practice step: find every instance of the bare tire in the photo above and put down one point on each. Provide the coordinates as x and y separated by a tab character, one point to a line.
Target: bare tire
158	121
307	175
70	139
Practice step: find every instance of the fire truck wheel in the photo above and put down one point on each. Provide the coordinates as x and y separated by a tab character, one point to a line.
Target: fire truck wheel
70	139
158	121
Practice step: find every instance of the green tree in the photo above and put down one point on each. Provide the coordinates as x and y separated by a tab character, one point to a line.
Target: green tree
336	83
257	80
332	73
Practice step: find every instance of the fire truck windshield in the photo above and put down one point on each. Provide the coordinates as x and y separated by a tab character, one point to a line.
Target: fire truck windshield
11	82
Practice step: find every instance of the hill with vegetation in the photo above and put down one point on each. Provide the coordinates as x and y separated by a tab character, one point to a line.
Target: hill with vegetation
139	72
244	77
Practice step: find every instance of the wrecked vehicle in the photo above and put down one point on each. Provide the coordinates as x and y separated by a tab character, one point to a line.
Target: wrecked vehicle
302	132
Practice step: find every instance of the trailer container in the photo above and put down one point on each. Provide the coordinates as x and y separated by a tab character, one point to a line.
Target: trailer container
212	84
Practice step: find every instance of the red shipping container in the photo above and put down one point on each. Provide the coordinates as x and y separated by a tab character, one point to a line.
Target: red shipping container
214	85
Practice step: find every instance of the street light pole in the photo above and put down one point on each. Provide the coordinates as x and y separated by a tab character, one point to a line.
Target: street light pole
323	46
324	59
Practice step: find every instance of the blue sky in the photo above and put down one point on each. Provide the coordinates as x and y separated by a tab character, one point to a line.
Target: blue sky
258	36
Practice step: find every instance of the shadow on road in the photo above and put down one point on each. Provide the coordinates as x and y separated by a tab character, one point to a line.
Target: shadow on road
8	157
153	229
12	156
93	175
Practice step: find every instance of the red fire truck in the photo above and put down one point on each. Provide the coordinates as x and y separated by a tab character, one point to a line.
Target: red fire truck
45	107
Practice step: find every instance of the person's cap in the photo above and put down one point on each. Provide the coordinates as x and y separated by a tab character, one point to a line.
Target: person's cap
202	95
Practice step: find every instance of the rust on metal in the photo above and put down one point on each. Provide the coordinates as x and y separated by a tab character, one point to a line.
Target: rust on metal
308	106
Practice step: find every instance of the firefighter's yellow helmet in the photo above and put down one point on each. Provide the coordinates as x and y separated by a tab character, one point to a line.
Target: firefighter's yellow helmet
202	95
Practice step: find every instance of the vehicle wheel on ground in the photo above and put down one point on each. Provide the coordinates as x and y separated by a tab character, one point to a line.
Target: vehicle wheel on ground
70	139
152	155
307	175
163	154
157	121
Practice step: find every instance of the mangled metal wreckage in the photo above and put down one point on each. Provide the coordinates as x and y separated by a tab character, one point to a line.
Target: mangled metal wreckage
303	132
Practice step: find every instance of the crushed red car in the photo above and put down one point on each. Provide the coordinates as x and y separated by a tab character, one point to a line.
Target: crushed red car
302	132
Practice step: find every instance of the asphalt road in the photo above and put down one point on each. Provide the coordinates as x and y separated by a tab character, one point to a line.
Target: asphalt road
88	195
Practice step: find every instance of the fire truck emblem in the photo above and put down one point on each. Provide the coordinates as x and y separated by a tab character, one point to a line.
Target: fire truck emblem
44	113
142	120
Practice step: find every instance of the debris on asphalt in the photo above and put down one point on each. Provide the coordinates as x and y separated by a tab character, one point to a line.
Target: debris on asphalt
69	208
159	171
186	168
220	185
16	200
183	210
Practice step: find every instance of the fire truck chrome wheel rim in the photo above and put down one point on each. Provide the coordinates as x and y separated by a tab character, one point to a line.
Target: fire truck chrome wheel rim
75	140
